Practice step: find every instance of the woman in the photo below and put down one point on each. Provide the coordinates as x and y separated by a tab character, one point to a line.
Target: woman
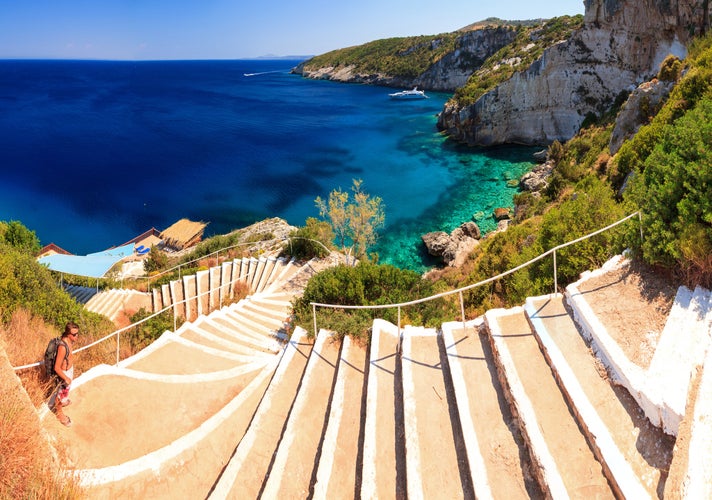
64	373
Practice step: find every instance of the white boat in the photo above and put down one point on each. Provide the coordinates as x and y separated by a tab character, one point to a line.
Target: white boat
409	94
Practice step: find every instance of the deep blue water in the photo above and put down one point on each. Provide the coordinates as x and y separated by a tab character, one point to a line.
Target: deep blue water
95	152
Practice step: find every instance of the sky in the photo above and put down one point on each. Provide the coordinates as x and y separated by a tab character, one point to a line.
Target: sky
235	29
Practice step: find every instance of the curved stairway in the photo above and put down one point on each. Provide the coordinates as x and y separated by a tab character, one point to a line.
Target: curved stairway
512	405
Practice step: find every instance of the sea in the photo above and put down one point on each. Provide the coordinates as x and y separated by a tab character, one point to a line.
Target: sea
93	153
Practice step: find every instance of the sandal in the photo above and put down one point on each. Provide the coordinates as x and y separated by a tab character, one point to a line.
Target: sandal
66	423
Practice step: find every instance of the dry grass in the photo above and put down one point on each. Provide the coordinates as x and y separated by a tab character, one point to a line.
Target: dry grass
26	338
183	233
29	467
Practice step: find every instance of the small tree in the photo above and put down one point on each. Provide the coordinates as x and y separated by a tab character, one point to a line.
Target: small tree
357	221
334	211
156	261
15	234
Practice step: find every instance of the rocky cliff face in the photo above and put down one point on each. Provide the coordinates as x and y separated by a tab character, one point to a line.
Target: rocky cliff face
473	49
621	45
446	75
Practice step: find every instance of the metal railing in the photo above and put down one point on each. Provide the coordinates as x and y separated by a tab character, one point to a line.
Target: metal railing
175	305
216	255
460	291
117	333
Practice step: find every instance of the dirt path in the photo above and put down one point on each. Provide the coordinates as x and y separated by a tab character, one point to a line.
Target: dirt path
632	303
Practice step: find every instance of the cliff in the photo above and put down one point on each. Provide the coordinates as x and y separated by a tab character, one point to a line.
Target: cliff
440	62
620	45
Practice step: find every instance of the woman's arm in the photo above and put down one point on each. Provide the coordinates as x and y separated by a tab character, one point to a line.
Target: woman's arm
59	363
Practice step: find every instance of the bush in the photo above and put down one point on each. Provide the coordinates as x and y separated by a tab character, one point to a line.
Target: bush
670	69
368	284
157	260
591	207
673	192
19	237
144	334
312	240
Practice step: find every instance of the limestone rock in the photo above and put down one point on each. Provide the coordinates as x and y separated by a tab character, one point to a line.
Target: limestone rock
621	44
536	179
453	248
642	103
436	242
456	253
541	156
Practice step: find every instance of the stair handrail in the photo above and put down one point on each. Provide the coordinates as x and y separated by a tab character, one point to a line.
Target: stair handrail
207	256
379	306
117	333
460	290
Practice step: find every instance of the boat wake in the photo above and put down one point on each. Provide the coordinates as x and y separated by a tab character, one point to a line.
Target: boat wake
264	72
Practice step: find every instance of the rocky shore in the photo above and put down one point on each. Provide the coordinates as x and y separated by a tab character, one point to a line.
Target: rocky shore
454	248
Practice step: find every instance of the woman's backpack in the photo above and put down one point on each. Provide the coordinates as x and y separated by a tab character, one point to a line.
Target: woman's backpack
50	356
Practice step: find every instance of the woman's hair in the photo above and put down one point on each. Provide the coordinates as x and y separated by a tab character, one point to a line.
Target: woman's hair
69	327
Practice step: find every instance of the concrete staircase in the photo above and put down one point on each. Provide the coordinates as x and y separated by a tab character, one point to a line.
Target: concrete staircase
207	290
109	303
81	294
512	405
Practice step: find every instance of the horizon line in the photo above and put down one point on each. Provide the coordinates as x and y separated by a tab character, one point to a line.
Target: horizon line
97	59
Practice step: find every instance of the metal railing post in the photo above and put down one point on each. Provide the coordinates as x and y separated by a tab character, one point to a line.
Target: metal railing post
400	334
462	309
314	315
556	277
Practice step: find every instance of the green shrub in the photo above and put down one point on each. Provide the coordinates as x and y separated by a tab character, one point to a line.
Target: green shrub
16	235
368	284
312	240
157	260
590	208
144	334
670	69
673	191
26	284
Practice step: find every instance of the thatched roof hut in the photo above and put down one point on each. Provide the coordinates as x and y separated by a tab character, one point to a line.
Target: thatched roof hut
183	234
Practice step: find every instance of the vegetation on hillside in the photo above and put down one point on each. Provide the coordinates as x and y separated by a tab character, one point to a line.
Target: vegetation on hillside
530	43
669	168
25	284
405	57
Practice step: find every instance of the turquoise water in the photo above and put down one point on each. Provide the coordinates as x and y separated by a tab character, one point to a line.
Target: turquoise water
94	152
